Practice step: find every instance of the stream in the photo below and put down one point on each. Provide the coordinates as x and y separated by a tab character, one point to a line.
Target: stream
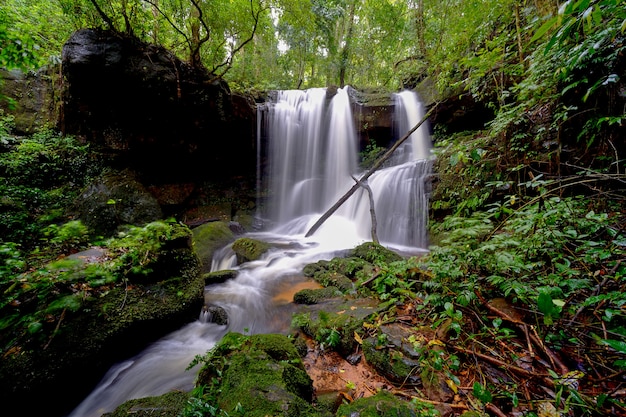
312	153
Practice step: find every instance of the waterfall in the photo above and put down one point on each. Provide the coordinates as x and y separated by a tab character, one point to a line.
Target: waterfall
402	189
312	151
312	154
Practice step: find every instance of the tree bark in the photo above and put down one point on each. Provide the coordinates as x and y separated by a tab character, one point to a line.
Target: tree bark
368	174
345	52
370	194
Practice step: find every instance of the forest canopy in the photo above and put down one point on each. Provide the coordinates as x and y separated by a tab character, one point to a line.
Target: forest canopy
280	44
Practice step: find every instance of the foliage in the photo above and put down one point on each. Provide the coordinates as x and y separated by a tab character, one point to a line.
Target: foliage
41	174
31	300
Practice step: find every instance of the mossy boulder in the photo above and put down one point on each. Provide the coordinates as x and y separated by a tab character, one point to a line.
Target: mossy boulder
208	238
110	323
373	253
392	363
219	277
248	249
116	199
316	295
383	404
263	375
335	322
334	279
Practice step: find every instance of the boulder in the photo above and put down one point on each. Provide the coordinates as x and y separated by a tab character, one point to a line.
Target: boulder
116	199
156	114
31	97
259	375
248	249
208	238
381	404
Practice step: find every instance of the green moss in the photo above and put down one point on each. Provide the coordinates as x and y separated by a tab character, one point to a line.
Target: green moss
314	296
333	330
375	253
168	405
334	279
218	277
248	249
208	238
261	375
310	269
348	266
383	404
389	362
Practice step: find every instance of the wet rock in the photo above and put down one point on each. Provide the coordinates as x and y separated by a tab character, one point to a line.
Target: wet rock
372	252
215	314
168	405
236	228
381	404
391	362
218	277
334	279
114	200
260	374
314	296
248	249
208	238
354	358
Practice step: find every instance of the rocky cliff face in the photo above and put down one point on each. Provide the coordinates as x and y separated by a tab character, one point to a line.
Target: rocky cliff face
153	112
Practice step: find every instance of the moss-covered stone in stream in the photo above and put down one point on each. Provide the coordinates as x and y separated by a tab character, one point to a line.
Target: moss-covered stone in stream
334	279
208	238
168	405
373	253
383	404
316	295
218	277
248	249
259	375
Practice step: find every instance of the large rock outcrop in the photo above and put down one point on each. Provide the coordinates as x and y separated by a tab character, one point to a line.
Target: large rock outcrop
153	112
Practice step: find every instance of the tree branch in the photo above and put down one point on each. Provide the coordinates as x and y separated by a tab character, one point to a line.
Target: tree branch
156	6
370	194
103	15
256	17
368	174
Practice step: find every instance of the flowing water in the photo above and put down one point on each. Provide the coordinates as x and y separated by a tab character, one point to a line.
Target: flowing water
312	154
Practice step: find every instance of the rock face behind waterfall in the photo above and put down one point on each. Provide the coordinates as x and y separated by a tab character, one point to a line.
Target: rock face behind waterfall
151	111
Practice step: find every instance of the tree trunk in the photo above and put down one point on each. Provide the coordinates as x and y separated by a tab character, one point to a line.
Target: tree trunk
345	52
195	42
420	25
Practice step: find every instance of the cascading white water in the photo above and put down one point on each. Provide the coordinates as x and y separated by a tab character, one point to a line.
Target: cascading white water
401	190
313	153
315	143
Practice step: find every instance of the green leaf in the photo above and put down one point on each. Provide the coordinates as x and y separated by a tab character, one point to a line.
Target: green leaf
544	28
34	327
482	393
618	345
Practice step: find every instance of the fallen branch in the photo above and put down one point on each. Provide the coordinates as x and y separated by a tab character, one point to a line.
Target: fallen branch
413	397
368	174
370	194
552	357
494	361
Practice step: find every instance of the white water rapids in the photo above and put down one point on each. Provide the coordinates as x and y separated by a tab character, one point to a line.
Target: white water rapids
313	152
